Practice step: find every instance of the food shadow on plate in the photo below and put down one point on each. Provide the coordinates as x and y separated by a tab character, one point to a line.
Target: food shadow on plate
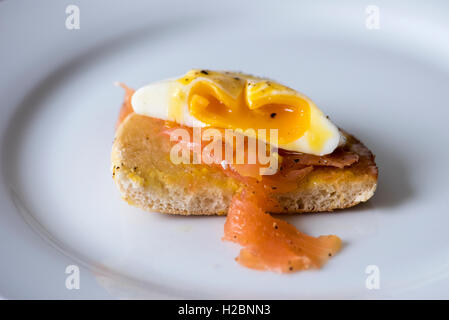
394	186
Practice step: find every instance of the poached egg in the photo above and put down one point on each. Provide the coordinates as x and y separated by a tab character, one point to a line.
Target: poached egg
238	101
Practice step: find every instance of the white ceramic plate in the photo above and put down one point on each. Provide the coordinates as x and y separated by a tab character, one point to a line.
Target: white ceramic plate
59	206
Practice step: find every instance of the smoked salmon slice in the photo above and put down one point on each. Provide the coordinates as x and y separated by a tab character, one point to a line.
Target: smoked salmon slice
126	108
268	243
273	244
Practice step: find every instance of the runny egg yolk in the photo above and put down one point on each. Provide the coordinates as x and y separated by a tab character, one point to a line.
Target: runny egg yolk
227	100
241	102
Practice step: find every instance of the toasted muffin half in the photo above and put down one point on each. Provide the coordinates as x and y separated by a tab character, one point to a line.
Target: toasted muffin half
147	178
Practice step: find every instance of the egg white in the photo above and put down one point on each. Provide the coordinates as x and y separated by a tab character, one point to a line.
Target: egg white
155	99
